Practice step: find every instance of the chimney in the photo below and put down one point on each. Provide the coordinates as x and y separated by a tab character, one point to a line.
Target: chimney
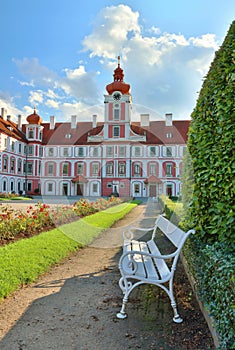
9	118
94	119
73	121
168	119
19	121
52	122
3	113
144	120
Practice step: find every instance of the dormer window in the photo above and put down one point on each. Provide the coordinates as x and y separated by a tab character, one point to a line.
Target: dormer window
31	133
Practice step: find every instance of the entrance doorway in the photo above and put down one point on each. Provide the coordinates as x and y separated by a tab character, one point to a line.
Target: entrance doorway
152	191
80	189
65	189
169	190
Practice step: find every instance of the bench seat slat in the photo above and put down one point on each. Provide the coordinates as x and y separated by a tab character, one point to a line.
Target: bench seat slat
160	263
148	263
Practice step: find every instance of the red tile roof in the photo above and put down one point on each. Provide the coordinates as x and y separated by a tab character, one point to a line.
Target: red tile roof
10	128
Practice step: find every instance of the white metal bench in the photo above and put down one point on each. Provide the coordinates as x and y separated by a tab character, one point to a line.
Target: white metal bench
142	262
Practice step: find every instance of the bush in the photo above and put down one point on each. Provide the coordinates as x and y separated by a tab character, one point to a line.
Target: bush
213	269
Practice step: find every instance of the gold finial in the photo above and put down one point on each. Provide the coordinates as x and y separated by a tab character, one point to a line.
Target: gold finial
118	61
34	110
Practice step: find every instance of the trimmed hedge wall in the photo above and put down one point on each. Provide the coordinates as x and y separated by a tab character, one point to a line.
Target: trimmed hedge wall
211	147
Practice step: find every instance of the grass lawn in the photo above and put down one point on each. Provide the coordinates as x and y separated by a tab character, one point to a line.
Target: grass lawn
15	199
23	261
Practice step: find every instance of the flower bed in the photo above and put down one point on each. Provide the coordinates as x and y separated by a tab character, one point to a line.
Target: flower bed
15	224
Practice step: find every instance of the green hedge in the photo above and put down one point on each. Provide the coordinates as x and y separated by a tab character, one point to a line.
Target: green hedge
212	266
211	147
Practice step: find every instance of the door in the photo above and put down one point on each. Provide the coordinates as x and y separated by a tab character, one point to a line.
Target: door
80	190
152	191
65	189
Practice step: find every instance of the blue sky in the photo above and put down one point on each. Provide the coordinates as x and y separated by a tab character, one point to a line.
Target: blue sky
59	55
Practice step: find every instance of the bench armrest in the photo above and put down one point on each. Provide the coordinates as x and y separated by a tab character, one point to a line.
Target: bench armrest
128	232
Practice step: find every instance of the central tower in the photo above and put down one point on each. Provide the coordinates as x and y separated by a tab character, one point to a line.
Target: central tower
118	104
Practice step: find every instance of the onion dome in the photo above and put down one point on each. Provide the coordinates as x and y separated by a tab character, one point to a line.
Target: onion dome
34	118
118	83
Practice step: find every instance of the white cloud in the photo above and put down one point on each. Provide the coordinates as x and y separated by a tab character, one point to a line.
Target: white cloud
165	69
36	97
206	40
112	28
52	104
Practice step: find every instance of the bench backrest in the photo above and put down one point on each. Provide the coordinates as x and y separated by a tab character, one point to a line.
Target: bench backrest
172	232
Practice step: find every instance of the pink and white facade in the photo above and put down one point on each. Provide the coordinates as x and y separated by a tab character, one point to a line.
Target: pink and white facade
133	159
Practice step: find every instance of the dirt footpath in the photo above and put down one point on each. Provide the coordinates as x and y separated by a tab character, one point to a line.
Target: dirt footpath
74	305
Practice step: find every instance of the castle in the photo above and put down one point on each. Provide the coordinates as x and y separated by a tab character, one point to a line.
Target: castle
116	156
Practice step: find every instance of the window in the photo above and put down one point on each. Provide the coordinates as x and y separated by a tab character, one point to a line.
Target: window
65	151
109	185
81	152
30	168
137	188
109	169
12	186
50	152
122	185
122	151
80	169
40	151
13	146
136	169
39	168
50	187
169	135
94	151
12	165
169	151
20	148
169	169
137	151
116	112
50	169
30	150
95	188
4	185
65	169
110	151
5	163
152	169
31	133
94	169
19	165
122	169
116	131
152	152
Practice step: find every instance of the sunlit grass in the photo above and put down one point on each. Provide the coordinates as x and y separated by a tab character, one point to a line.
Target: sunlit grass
23	261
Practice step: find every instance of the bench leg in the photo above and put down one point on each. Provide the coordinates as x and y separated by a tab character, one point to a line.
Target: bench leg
121	315
176	318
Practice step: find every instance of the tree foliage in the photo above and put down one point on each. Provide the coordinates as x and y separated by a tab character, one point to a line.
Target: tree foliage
211	147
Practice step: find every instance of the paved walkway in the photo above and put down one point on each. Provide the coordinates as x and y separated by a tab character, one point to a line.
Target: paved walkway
74	306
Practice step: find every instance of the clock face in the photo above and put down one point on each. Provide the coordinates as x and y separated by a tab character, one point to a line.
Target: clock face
117	96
